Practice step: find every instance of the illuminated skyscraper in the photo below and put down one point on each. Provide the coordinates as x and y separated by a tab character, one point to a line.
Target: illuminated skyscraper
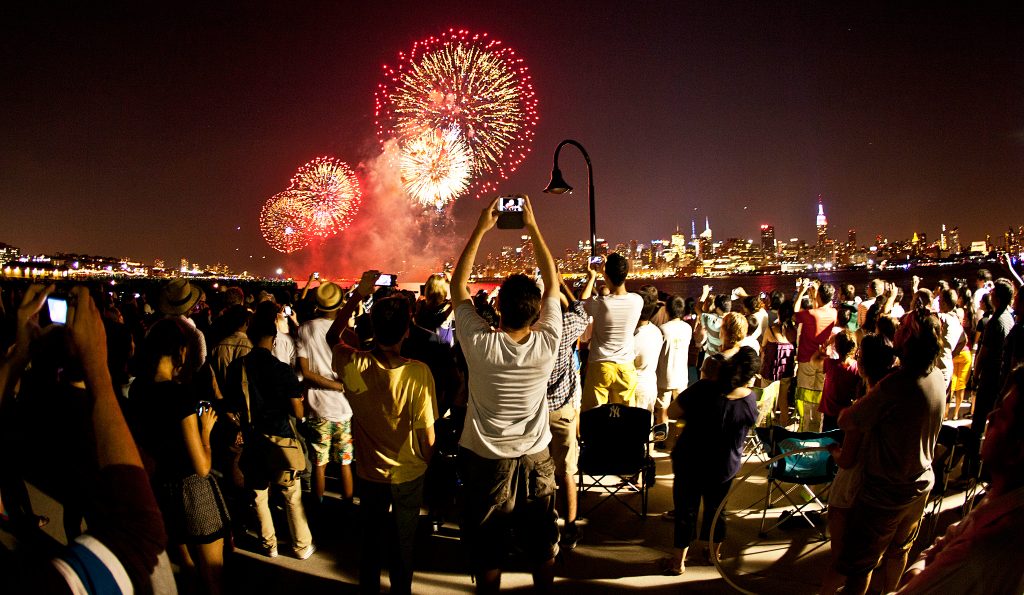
821	223
953	239
706	244
768	244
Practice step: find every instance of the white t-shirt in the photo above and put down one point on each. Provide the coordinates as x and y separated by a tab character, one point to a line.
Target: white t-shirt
507	414
615	318
325	403
284	349
673	371
647	342
762	324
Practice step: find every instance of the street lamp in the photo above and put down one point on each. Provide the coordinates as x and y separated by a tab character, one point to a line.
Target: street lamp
558	185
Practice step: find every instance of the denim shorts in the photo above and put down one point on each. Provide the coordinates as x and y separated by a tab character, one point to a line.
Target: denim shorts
508	501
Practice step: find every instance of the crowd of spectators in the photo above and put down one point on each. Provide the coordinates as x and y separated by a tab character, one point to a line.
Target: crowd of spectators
189	414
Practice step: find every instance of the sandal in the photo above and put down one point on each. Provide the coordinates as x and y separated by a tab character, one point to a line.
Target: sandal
668	567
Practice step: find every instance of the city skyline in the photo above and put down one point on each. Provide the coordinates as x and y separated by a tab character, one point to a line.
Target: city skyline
701	246
158	132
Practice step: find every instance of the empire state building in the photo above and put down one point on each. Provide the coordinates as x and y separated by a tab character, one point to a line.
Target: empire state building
821	223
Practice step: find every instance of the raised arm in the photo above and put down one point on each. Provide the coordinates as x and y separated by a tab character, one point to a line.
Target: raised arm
26	332
460	277
588	289
305	289
546	264
1008	260
699	306
362	289
798	303
114	443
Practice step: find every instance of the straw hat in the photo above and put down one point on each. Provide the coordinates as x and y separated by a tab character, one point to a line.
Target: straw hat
178	297
328	297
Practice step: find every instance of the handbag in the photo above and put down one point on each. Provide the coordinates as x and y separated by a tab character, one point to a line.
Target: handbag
282	457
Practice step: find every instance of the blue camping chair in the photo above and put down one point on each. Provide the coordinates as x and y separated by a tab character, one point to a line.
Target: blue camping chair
800	470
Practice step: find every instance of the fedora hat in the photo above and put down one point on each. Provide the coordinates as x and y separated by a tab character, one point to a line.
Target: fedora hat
328	297
178	297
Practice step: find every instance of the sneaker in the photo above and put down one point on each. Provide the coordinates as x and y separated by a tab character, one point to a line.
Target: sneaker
271	551
305	552
570	536
669	516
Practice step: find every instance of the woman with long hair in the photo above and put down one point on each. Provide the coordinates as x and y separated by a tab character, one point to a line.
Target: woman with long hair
778	355
172	427
434	311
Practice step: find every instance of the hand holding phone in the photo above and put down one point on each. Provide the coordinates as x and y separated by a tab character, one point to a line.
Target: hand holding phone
57	308
510	212
386	280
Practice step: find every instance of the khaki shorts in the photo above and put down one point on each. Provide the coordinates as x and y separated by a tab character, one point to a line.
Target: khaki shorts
565	450
871	533
609	382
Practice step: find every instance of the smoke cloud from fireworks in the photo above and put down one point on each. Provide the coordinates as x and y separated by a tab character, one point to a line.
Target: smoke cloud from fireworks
391	234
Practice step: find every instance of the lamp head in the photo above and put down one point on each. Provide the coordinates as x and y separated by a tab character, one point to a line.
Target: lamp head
557	185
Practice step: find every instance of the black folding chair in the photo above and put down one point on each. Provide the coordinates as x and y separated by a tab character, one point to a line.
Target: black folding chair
953	437
615	443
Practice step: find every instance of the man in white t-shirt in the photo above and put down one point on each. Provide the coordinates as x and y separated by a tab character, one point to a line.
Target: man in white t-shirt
507	474
673	367
874	289
328	412
982	285
611	371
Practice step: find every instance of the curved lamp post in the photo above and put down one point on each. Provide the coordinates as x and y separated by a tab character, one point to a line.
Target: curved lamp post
558	185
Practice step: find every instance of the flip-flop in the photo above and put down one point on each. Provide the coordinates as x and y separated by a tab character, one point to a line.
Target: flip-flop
668	567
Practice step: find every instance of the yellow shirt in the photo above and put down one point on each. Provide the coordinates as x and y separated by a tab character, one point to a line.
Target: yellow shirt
388	406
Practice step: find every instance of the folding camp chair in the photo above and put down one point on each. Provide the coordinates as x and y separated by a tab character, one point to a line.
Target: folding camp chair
953	437
766	398
802	470
615	443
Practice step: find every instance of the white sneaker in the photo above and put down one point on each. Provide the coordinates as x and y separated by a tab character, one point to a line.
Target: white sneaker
305	552
271	551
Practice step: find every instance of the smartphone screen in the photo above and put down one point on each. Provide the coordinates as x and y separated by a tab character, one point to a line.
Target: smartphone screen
287	310
510	212
385	280
596	259
511	204
58	309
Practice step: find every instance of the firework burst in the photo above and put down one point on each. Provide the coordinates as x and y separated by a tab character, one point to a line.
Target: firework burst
285	221
334	195
435	167
464	82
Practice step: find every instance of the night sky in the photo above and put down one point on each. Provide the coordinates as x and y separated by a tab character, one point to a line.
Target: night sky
156	133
